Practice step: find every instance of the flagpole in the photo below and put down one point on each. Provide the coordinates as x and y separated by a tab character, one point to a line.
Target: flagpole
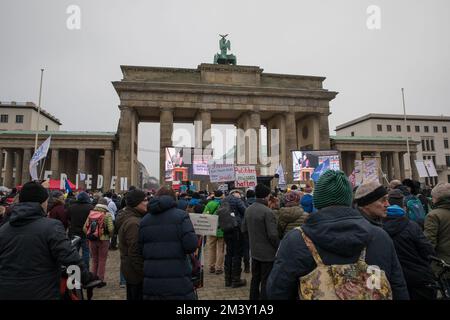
406	132
39	111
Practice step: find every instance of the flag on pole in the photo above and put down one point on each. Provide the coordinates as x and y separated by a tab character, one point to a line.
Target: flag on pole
321	168
39	154
281	180
67	186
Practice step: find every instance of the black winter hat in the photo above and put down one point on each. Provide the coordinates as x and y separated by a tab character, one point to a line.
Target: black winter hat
134	197
33	192
262	191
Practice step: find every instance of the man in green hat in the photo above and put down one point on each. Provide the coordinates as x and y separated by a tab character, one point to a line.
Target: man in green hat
340	234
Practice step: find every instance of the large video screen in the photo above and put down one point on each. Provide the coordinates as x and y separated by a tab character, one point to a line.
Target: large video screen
309	165
185	164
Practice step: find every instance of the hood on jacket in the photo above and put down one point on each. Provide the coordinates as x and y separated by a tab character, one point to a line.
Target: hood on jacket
194	202
25	212
338	229
290	214
83	197
124	214
393	225
395	211
160	204
101	207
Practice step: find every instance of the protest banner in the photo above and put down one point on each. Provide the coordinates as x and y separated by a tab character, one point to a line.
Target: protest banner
421	169
370	170
245	177
204	224
429	165
221	173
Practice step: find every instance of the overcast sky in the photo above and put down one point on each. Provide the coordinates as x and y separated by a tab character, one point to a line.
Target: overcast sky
323	38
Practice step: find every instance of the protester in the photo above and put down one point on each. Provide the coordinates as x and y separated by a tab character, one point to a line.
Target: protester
78	212
58	210
166	236
412	247
340	235
183	201
33	248
307	200
261	226
290	216
234	241
99	224
372	201
415	209
131	260
437	223
215	244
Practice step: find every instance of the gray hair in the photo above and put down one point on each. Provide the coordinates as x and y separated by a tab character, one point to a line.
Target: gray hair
441	191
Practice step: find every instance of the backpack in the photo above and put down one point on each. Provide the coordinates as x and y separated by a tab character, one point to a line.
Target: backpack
355	281
227	219
95	225
415	210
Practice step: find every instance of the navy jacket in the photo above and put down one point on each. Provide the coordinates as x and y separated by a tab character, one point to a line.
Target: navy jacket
339	234
413	249
32	250
166	236
237	206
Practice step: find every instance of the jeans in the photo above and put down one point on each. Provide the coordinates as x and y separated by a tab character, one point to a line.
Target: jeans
260	273
83	245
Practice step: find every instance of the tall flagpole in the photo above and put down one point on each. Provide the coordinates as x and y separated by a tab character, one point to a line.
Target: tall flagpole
407	138
39	112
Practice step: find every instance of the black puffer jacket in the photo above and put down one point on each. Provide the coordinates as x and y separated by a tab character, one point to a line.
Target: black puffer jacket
166	236
339	234
32	250
412	248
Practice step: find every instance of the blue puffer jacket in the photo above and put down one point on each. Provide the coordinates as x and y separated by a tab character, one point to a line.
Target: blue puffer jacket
166	236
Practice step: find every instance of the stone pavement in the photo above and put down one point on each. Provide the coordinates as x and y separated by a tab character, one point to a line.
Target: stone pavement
214	285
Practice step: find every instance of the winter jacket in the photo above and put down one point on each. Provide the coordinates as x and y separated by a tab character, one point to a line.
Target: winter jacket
261	225
290	218
211	208
32	250
182	204
307	203
377	222
131	260
78	213
59	212
166	236
339	234
437	229
412	248
237	206
109	225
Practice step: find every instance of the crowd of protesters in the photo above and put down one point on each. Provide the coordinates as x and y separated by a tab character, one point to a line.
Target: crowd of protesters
282	237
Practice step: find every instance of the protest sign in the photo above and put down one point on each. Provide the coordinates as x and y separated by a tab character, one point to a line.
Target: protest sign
204	224
245	177
221	172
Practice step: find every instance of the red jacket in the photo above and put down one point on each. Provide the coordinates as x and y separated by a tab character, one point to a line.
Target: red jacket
59	212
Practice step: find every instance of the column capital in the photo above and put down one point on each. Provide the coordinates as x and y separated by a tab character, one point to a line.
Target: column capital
170	109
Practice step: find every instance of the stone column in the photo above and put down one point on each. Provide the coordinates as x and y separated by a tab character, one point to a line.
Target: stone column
384	166
291	143
397	174
27	152
19	160
415	174
203	129
358	155
255	146
8	181
324	132
402	166
54	165
377	156
165	140
107	169
81	166
390	165
127	153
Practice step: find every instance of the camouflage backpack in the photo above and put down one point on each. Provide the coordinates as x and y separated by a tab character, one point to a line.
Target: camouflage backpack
357	281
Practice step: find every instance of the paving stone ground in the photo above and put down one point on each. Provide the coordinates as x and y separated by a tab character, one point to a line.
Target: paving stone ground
214	285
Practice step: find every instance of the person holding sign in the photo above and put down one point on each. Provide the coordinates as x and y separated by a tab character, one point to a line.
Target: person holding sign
215	244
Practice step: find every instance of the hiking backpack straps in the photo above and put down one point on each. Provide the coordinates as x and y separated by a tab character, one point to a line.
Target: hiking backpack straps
356	281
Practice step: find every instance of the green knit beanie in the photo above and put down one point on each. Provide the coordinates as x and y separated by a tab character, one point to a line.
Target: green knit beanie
333	188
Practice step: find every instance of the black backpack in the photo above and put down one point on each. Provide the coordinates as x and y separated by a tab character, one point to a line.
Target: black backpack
227	220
